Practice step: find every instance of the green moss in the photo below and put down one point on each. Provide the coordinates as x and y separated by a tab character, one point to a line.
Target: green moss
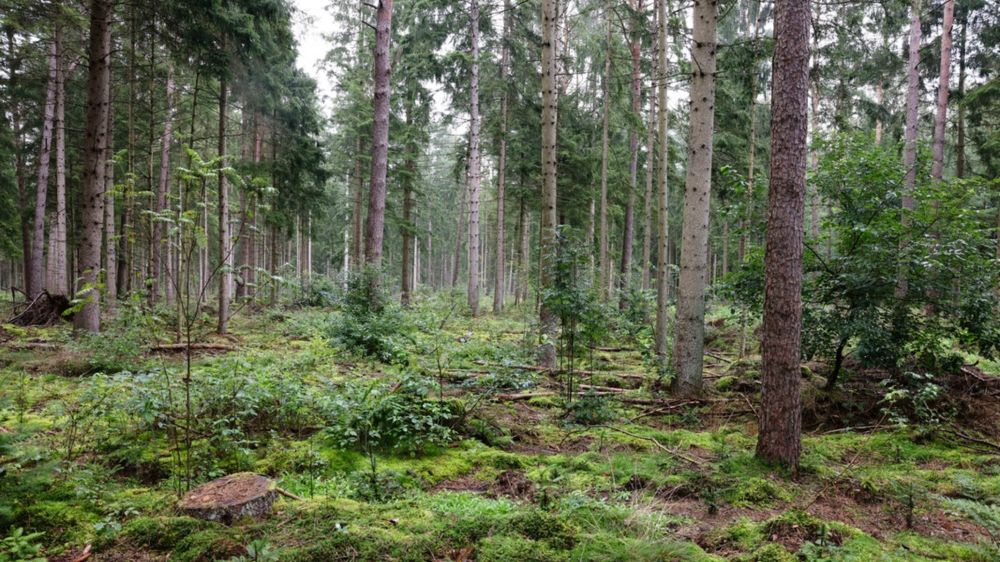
162	533
504	548
756	492
770	553
726	383
208	545
61	521
540	525
500	460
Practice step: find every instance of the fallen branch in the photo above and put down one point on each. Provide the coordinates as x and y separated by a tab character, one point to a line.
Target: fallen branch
194	346
983	444
84	555
35	345
536	369
287	494
658	445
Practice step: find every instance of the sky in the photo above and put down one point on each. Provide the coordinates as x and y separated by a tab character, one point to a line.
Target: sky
311	22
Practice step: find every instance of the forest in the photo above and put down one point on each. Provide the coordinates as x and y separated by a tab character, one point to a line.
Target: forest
499	280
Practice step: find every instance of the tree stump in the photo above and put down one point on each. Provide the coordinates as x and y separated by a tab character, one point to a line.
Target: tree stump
231	498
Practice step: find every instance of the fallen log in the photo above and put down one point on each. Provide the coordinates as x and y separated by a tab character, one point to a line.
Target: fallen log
581	372
20	345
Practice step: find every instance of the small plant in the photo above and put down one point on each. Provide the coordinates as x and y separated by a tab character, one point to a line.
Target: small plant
377	418
985	515
590	409
19	546
257	551
370	323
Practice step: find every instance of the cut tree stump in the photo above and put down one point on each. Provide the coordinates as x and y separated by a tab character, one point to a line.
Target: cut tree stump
231	498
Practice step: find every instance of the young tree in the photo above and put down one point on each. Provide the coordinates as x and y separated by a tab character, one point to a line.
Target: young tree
375	225
604	261
98	89
689	339
781	416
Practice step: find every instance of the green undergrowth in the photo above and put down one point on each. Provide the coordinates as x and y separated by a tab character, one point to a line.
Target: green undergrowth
93	459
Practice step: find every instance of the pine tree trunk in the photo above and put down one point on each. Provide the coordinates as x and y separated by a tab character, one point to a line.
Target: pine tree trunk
780	419
406	229
57	271
356	214
36	277
960	126
474	163
375	226
605	261
662	189
647	205
459	233
689	338
225	242
499	290
98	94
110	234
910	134
547	242
752	151
941	115
521	294
628	230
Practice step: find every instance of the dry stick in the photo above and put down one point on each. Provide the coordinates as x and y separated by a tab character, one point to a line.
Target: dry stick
201	346
287	494
989	445
659	445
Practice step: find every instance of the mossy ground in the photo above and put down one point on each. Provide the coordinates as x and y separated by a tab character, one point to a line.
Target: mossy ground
650	481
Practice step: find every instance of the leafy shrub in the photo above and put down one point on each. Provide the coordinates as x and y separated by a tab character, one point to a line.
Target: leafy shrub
591	409
19	546
370	323
319	292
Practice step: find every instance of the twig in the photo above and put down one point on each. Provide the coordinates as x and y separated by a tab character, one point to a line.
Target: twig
287	494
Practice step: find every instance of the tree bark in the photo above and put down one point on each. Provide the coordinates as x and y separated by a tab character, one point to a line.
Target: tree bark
910	134
628	227
780	418
647	206
547	242
605	262
690	328
358	199
110	234
521	294
940	117
57	273
36	277
459	234
406	229
88	318
663	192
960	141
499	290
225	242
375	227
474	176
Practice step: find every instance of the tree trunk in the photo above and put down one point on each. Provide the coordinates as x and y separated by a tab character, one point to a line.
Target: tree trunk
225	243
910	135
499	290
960	141
57	272
940	117
647	205
356	213
628	230
36	277
690	329
406	229
605	261
662	189
375	227
547	242
752	150
521	294
474	176
98	89
110	234
460	229
779	439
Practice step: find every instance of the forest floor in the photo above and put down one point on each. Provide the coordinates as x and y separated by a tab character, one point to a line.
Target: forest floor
624	473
